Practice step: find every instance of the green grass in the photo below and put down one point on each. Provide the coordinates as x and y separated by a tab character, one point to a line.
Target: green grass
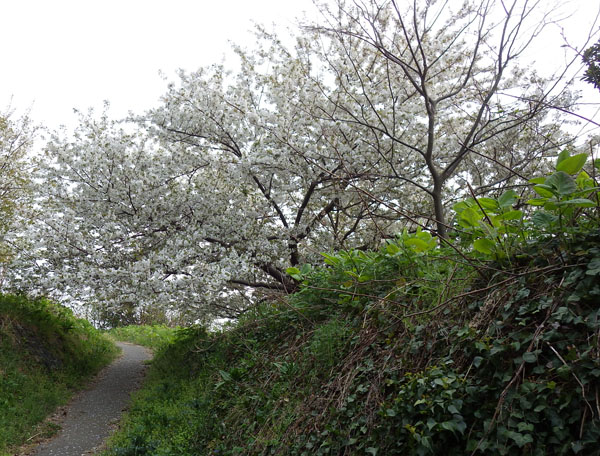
151	336
45	354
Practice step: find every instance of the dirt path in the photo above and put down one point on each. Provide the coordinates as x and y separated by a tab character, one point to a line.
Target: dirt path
90	415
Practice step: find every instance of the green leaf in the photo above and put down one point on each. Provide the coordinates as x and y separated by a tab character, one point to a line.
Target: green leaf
529	357
512	215
597	163
510	197
584	181
477	361
372	450
593	268
543	219
331	260
392	249
419	245
578	202
572	165
562	157
488	203
471	217
484	246
520	439
545	191
452	409
537	180
562	183
537	201
292	271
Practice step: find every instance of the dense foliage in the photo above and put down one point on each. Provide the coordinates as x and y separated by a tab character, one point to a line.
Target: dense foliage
411	349
45	353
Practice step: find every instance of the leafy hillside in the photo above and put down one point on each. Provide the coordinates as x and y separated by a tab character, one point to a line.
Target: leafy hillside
486	345
45	352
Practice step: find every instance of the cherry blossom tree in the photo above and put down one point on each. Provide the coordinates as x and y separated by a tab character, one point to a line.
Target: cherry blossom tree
371	120
16	136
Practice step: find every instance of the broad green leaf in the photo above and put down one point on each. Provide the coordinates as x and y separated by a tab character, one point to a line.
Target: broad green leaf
484	246
511	215
597	163
572	165
294	273
537	180
544	191
331	260
488	203
392	249
470	217
509	198
460	206
543	219
551	206
537	201
425	235
562	182
418	245
577	202
584	181
562	157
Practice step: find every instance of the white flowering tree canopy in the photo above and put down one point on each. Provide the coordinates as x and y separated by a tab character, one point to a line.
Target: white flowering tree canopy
373	119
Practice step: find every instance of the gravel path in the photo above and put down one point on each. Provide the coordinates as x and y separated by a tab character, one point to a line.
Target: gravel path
90	415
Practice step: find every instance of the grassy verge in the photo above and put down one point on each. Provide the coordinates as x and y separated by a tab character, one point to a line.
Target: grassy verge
151	336
391	352
45	353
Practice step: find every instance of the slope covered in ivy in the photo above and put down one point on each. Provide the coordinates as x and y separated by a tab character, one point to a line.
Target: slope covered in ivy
487	343
45	353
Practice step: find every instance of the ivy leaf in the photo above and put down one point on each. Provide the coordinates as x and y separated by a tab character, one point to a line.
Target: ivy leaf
529	357
593	268
572	164
520	439
372	450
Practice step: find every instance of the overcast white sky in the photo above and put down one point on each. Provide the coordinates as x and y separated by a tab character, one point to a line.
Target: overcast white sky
63	54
